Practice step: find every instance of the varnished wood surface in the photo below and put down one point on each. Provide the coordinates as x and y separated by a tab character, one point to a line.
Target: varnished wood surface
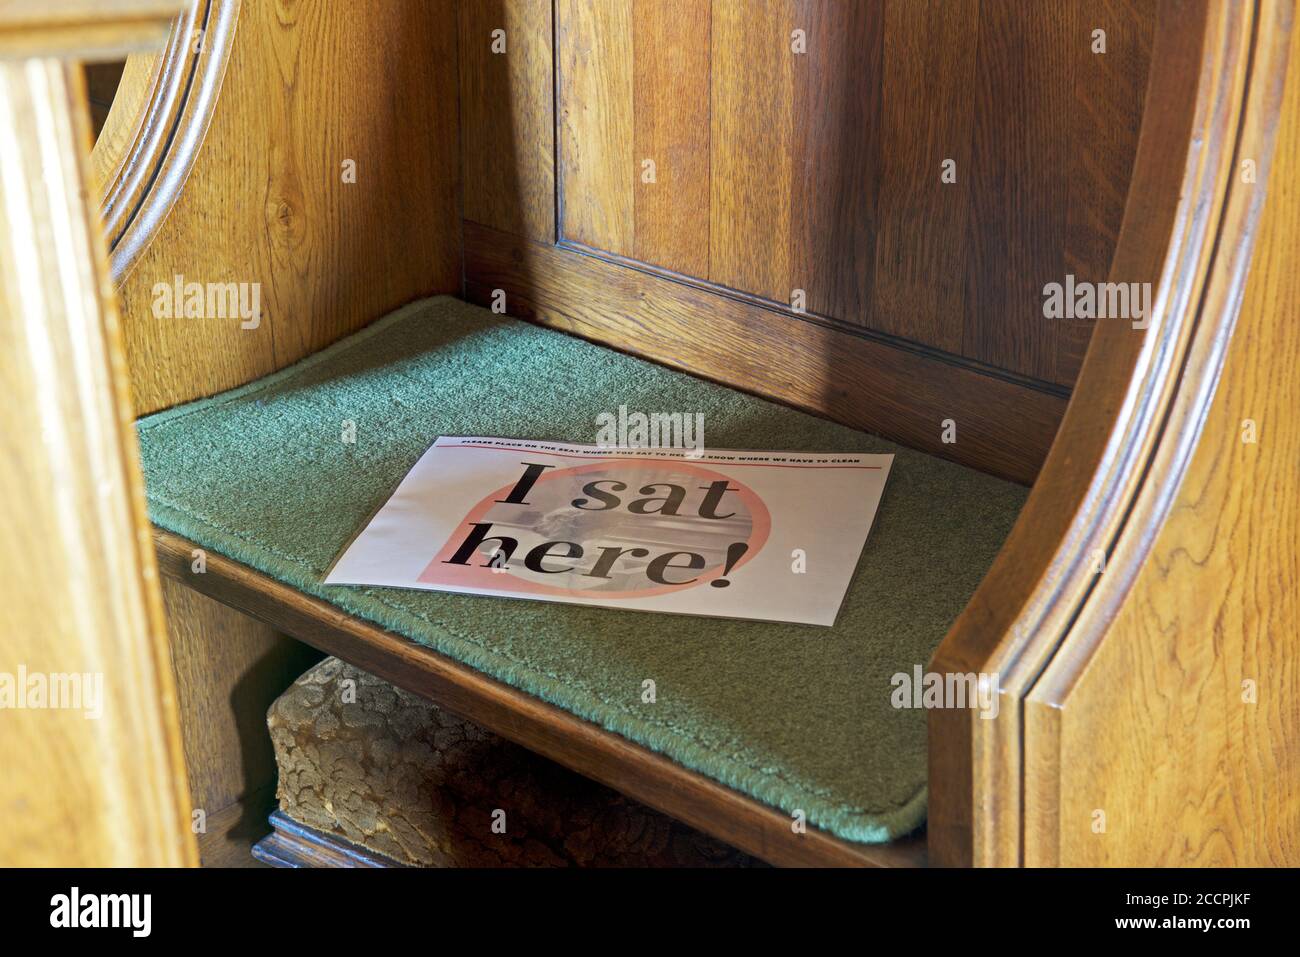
820	169
1003	427
1104	116
1138	411
266	201
1014	242
158	127
91	782
596	134
83	29
751	125
1176	714
102	81
776	171
670	86
1039	609
635	771
1026	599
507	125
232	833
919	277
634	129
229	669
123	121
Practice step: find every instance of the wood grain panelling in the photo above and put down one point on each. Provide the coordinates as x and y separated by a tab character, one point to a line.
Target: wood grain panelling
926	112
597	137
752	151
671	115
1201	655
1015	239
835	156
309	87
1106	115
507	115
824	166
327	181
634	91
1005	427
229	668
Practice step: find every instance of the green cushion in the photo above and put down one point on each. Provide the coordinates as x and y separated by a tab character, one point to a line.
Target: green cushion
799	717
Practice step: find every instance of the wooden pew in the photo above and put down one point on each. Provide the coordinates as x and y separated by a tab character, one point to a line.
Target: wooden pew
851	209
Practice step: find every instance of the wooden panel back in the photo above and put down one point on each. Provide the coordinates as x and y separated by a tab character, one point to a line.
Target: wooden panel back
507	116
819	155
789	155
329	176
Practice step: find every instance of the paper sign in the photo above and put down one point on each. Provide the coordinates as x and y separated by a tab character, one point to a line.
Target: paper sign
773	536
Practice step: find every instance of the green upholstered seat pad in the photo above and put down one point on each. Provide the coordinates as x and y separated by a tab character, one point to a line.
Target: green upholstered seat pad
799	717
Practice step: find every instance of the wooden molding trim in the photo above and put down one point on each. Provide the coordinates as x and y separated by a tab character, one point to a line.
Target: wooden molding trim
639	773
1005	427
1137	411
126	113
838	325
170	122
1203	358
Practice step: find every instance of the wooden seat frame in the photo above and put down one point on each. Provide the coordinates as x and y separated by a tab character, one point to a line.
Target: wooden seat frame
1141	616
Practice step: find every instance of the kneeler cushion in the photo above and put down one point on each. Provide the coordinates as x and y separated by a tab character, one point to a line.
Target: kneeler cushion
392	774
799	717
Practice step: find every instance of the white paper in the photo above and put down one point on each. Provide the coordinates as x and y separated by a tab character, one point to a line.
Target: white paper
773	536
